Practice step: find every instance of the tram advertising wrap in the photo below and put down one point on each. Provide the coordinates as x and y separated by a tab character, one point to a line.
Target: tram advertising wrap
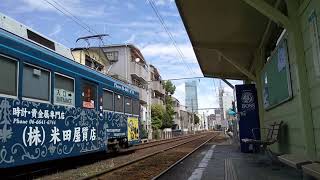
247	105
133	129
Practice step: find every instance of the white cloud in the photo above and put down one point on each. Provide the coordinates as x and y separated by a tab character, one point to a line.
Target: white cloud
131	39
163	49
130	6
56	30
75	7
163	2
169	14
180	93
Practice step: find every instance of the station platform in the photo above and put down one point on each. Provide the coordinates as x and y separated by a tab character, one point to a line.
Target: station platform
224	161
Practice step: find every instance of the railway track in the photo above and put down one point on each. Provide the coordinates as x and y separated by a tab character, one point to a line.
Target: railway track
154	164
156	143
49	169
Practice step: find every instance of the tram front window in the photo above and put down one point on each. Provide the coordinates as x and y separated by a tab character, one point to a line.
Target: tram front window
88	95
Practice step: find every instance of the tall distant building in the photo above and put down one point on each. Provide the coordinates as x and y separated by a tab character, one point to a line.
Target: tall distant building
191	96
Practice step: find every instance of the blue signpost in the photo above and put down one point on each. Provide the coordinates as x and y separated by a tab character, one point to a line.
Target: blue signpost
247	105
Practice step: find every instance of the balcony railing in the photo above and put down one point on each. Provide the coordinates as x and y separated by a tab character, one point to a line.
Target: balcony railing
157	86
157	101
139	71
143	95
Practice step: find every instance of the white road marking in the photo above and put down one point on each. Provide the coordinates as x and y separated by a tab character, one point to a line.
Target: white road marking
197	173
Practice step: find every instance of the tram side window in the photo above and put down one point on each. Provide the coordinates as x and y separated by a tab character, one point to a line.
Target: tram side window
89	95
135	107
8	76
64	90
118	103
36	83
127	105
108	100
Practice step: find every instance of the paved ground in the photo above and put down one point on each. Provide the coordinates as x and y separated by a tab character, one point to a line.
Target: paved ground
214	161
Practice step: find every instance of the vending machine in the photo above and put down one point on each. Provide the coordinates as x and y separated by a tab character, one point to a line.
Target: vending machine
247	107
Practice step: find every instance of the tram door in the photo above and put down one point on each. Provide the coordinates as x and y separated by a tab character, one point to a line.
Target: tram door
89	100
247	105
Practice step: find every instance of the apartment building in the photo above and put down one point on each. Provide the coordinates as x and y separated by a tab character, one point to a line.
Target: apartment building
124	62
91	57
177	116
156	86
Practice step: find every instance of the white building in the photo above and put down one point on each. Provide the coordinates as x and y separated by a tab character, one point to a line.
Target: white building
126	63
227	99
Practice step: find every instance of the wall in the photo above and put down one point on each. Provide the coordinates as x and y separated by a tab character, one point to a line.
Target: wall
314	81
296	137
119	67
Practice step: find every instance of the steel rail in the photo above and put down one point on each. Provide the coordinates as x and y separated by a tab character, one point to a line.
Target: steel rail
161	140
139	159
183	158
138	147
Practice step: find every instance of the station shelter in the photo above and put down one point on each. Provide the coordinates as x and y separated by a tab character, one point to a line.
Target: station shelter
274	44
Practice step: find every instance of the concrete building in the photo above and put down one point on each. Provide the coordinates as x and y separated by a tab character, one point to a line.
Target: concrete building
211	121
191	98
289	27
91	57
123	62
177	117
156	86
130	66
186	121
227	99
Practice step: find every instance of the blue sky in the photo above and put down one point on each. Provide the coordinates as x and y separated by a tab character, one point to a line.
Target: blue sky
126	21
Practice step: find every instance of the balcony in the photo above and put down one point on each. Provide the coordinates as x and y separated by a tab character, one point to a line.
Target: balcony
176	109
157	86
143	95
138	71
157	101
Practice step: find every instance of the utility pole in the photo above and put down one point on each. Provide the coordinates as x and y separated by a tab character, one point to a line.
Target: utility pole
192	117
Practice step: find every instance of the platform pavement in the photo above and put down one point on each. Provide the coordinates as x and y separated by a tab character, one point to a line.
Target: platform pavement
225	161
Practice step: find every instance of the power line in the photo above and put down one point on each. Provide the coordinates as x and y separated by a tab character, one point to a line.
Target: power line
154	7
71	17
76	18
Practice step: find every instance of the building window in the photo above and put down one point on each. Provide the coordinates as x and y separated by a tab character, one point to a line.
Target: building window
8	76
112	56
135	107
36	83
108	100
64	90
89	95
118	103
88	63
127	105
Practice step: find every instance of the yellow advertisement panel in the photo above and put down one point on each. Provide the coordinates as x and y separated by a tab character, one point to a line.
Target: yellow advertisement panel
133	128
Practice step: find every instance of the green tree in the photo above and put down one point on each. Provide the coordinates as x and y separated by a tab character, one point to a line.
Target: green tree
163	117
169	113
167	121
157	113
169	87
196	119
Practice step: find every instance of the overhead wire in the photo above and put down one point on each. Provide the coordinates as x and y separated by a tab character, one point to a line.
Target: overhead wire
154	7
73	18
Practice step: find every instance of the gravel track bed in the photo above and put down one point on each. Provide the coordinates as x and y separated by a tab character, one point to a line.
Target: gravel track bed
158	142
154	165
87	170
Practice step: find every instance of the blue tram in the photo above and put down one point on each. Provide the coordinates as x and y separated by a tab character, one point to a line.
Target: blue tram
52	107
